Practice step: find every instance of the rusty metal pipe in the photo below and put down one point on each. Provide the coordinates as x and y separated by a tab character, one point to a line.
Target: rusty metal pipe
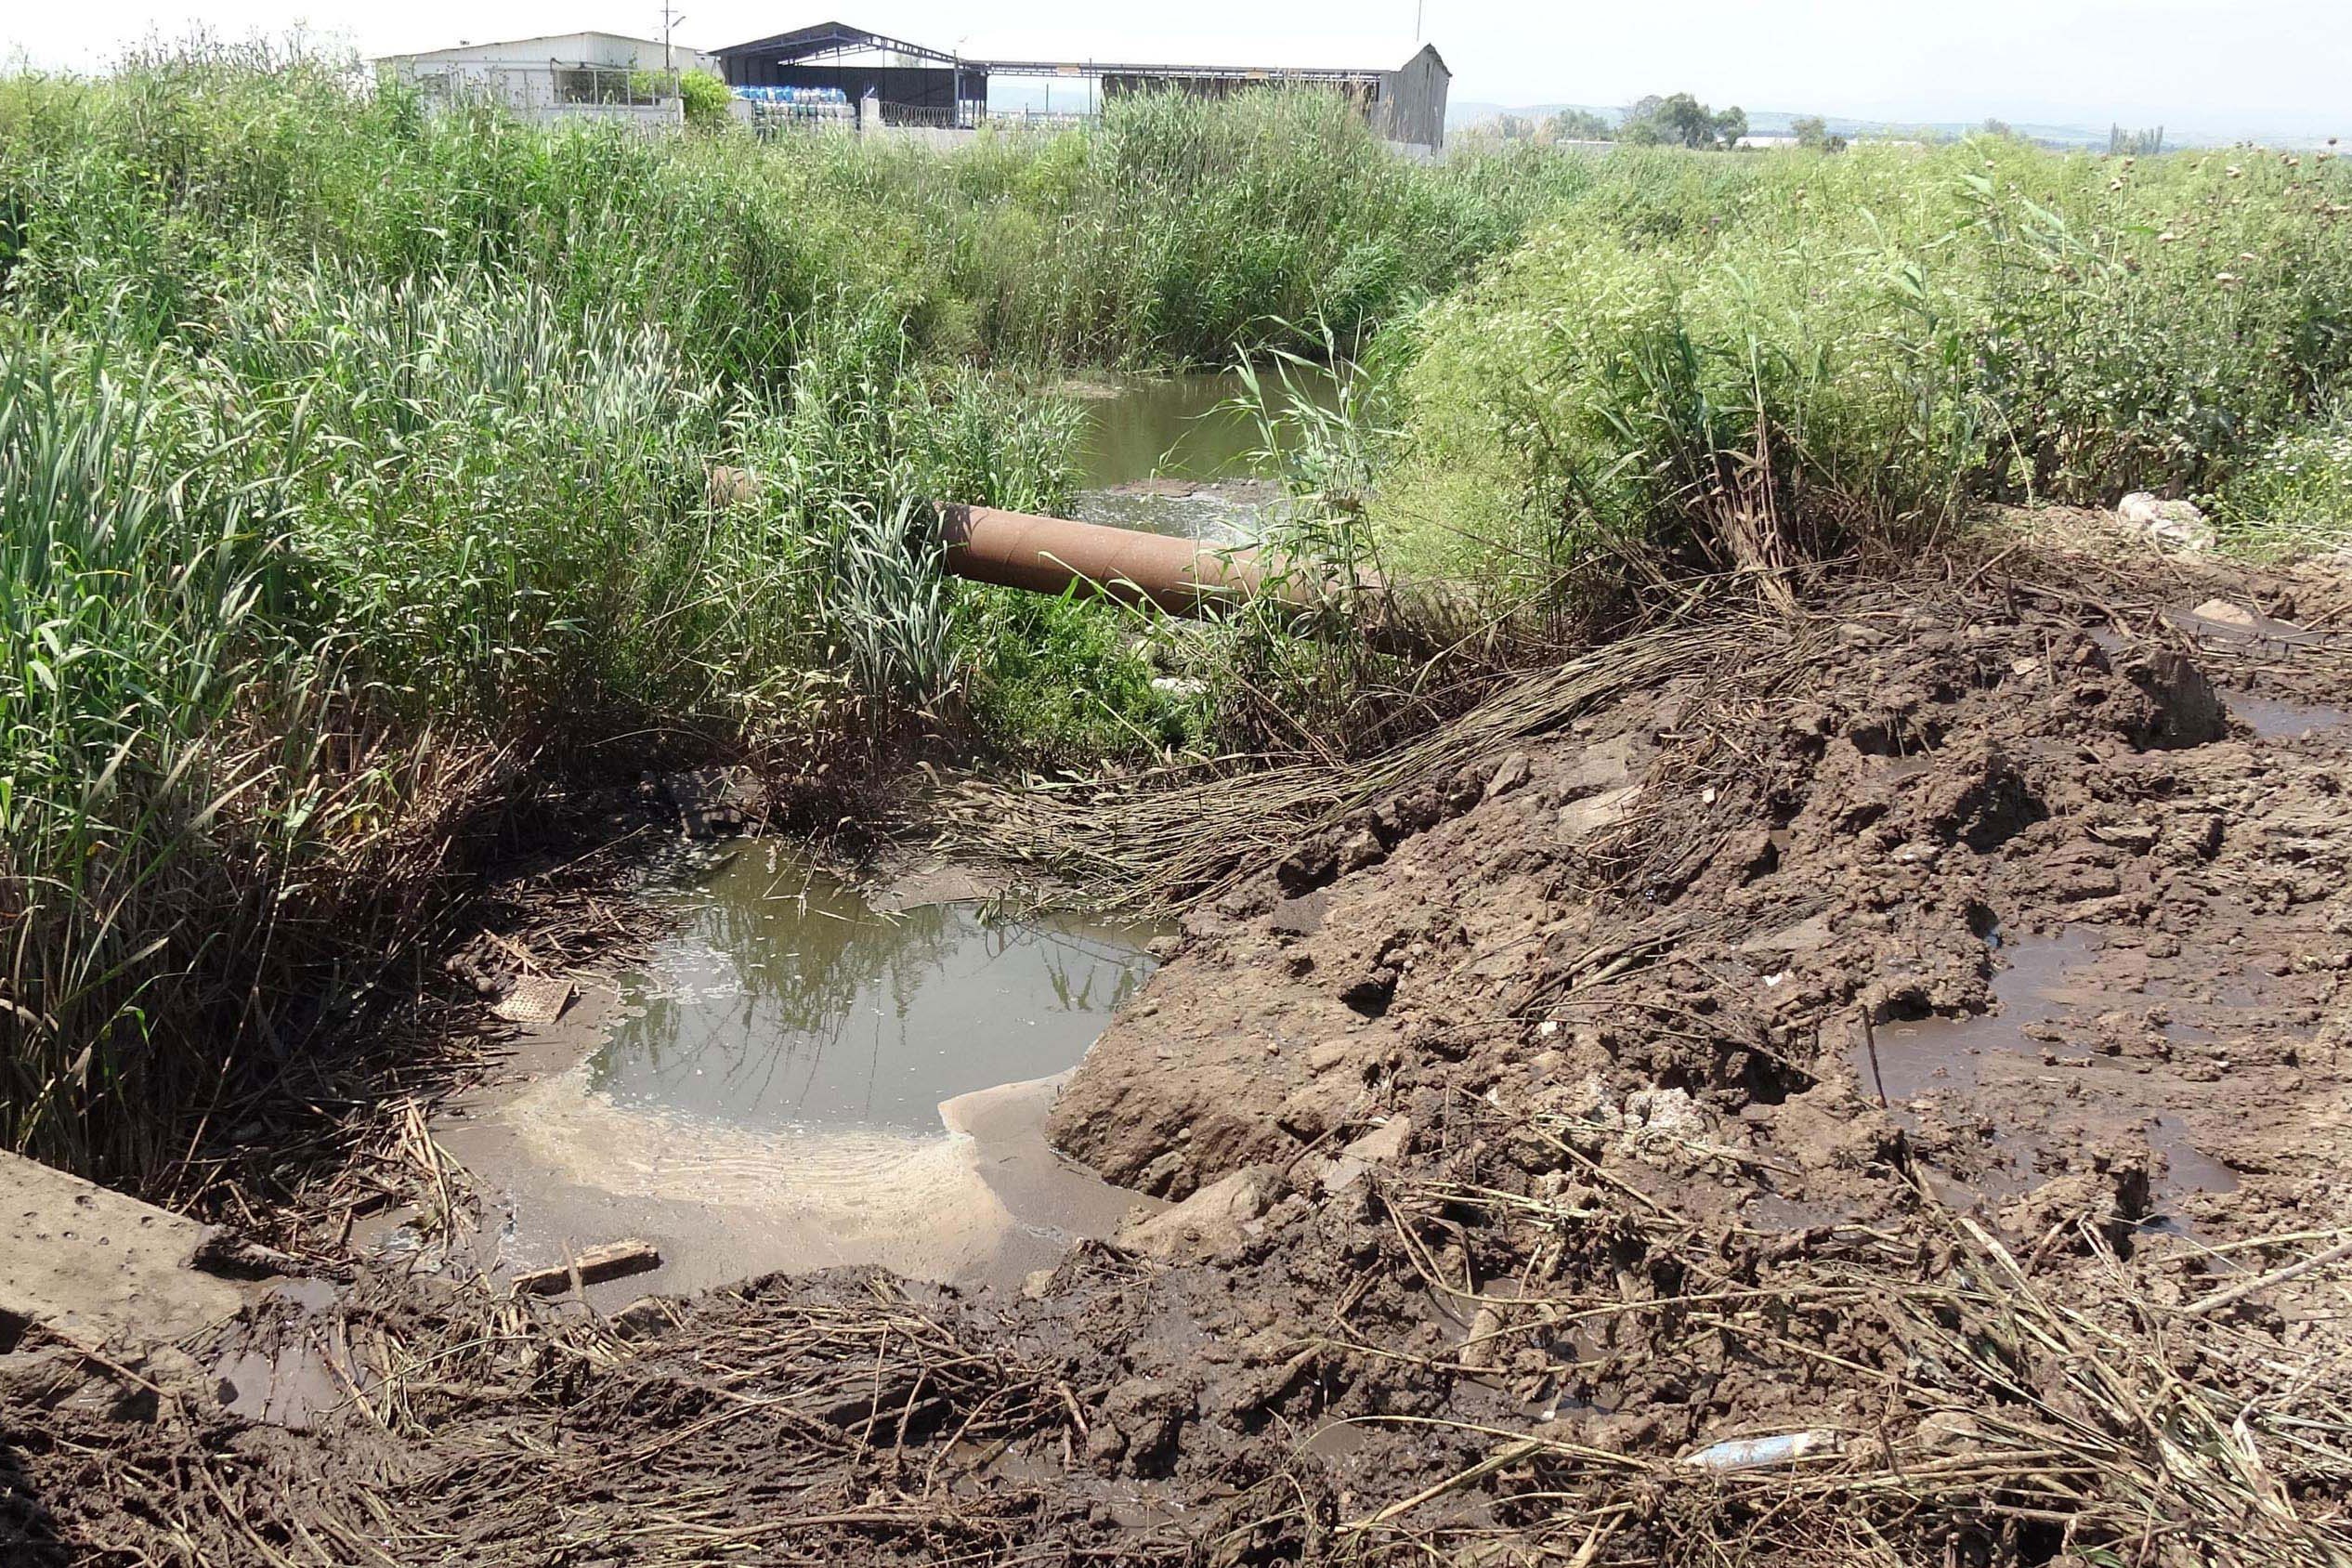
1182	576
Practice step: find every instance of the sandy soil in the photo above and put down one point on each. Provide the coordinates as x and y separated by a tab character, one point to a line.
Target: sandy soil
1915	1039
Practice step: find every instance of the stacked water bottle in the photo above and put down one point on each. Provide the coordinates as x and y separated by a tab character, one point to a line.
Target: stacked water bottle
796	97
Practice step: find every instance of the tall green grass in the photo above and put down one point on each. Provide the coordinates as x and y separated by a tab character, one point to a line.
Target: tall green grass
355	461
1866	345
1177	232
280	611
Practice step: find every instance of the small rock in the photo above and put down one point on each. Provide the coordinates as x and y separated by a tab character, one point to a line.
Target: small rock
1385	1145
2227	614
1360	849
1581	820
1318	1105
1514	771
1210	1222
2170	525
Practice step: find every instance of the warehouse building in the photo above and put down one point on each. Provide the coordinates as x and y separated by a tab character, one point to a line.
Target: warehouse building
915	85
555	76
912	83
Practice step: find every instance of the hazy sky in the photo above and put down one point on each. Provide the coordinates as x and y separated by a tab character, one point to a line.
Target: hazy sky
2284	65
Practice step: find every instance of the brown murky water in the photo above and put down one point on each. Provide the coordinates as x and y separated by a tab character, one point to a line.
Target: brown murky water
2044	992
796	1080
1927	1054
2275	718
1176	454
785	1001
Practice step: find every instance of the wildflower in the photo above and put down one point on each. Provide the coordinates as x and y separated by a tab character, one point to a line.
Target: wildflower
2237	173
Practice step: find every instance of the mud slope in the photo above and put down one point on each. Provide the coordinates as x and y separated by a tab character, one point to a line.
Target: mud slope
1867	1098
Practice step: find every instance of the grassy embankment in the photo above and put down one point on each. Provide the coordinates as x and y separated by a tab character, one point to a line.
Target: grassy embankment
1858	351
353	464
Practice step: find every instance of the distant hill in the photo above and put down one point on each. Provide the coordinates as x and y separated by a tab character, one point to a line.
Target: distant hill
1777	123
1070	98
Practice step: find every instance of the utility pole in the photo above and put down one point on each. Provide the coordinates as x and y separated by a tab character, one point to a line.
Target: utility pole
669	17
1419	6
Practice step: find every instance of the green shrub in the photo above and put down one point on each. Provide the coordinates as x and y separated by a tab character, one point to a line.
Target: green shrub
706	98
1863	348
2296	495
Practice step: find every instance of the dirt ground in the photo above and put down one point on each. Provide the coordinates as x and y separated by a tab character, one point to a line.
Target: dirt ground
1863	1094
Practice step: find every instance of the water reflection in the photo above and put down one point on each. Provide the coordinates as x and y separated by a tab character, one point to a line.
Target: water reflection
1180	428
1174	454
785	1000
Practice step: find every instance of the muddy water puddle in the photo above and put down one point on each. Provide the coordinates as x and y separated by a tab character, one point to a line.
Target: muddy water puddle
1923	1056
1177	454
2275	718
2048	992
795	1079
785	1001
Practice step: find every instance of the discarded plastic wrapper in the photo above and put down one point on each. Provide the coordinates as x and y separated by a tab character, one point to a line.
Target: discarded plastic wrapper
1747	1453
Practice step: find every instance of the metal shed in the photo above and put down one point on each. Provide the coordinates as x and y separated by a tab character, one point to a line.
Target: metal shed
1404	105
914	85
1411	106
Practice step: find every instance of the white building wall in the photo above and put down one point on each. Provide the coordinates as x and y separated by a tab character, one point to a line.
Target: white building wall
559	76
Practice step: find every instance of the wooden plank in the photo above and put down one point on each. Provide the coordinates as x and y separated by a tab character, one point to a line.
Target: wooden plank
614	1260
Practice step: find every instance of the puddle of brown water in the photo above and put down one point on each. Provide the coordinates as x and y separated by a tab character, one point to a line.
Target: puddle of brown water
787	1001
794	1081
2042	981
2277	719
1927	1054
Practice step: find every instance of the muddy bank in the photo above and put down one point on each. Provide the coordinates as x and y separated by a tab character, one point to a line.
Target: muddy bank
1875	1092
